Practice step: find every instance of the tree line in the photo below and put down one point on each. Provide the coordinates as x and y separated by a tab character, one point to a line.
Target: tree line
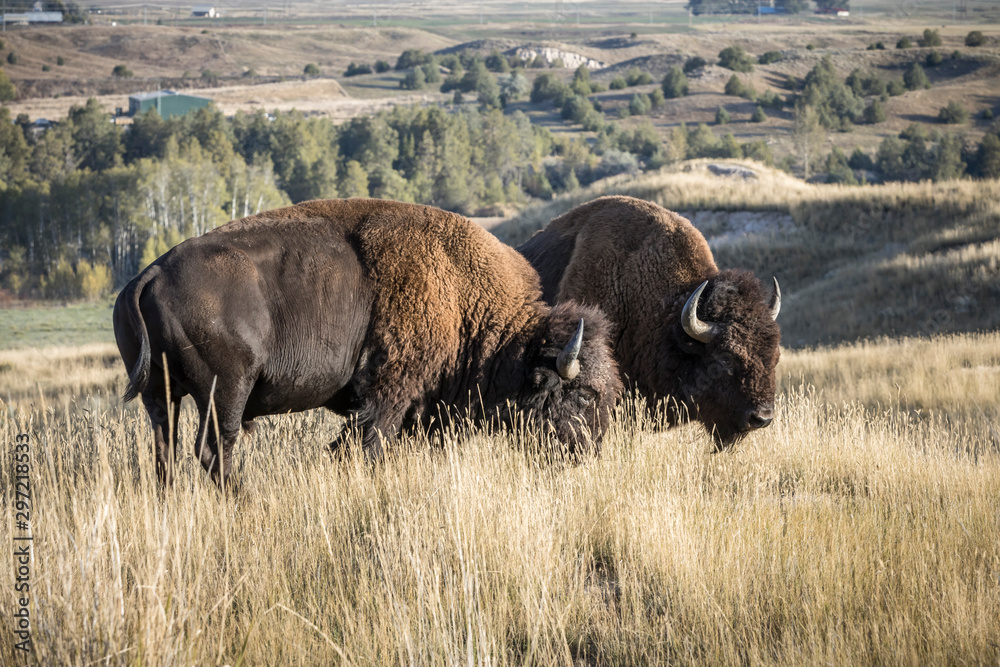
86	204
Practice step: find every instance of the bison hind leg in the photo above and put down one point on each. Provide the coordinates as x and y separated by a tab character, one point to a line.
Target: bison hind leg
164	421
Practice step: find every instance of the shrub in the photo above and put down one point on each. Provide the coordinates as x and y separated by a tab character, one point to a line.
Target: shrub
987	114
837	169
721	116
975	38
954	113
548	86
311	69
769	57
933	58
675	84
354	69
3	45
861	160
771	100
45	68
618	83
656	98
758	150
411	58
382	66
94	279
121	71
432	73
956	54
575	108
734	86
758	115
930	38
581	81
60	61
877	46
904	43
736	59
693	63
414	80
8	91
12	58
865	83
637	77
915	78
640	105
495	62
895	88
874	113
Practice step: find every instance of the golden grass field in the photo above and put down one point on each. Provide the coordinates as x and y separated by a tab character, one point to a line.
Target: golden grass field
863	527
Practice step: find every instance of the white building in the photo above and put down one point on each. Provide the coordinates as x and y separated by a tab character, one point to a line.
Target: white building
204	12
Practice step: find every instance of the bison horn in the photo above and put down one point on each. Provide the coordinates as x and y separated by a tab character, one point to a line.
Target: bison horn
567	363
775	304
701	331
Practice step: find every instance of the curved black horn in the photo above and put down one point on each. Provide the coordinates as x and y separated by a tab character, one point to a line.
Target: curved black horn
701	331
567	363
775	304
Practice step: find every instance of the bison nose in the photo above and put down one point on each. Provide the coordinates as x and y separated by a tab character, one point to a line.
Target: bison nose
759	417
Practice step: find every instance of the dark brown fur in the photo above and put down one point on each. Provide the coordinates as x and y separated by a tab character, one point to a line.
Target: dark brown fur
639	263
398	315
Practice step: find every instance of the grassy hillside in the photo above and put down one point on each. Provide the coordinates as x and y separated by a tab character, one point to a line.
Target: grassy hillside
854	262
859	528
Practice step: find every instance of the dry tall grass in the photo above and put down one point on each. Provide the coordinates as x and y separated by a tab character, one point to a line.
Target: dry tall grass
850	532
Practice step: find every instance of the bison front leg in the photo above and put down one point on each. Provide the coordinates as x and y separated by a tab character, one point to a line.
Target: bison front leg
380	430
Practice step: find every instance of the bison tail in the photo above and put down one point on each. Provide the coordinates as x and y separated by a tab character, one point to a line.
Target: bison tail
138	377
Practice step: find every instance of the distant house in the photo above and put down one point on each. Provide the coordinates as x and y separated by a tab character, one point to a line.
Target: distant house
166	102
204	12
839	11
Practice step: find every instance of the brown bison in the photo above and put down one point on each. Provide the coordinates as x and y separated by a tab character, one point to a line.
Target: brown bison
398	316
704	340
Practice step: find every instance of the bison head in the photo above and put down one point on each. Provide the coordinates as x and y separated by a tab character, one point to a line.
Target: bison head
723	349
572	378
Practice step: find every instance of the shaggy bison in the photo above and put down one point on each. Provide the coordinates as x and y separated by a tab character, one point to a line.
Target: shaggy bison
684	331
396	315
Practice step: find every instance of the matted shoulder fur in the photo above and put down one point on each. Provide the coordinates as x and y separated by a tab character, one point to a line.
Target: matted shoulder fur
641	263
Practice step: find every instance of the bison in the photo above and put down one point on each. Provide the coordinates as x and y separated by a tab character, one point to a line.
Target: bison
704	340
398	316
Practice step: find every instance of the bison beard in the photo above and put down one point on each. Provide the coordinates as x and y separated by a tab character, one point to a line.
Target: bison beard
642	264
395	315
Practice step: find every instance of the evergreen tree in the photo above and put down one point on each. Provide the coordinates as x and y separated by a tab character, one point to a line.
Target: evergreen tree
914	78
355	180
675	84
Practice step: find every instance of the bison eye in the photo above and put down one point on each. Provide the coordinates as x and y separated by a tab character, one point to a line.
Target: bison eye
587	396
